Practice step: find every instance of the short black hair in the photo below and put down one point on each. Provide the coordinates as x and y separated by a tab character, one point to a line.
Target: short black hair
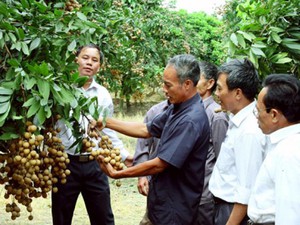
187	67
283	93
243	75
91	46
209	71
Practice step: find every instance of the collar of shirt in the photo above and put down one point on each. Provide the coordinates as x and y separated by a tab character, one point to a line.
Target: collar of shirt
283	133
238	118
209	100
187	103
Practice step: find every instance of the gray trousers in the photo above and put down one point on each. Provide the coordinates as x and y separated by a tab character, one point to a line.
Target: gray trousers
222	213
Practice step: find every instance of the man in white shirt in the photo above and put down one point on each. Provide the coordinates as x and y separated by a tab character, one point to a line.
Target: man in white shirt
86	177
241	153
275	197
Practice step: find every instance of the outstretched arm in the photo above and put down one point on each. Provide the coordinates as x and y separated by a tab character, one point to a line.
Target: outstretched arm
150	167
133	129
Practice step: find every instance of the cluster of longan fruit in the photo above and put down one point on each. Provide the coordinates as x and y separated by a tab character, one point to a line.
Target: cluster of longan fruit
71	5
31	166
110	153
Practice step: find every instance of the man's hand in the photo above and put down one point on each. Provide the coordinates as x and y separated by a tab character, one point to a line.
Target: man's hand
143	185
128	161
106	167
100	124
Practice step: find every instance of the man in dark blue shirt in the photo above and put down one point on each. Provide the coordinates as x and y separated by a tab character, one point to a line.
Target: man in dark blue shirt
178	170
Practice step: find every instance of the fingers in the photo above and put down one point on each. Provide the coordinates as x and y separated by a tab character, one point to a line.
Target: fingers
143	186
99	123
128	161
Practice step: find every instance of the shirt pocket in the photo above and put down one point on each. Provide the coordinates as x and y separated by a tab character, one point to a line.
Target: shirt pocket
226	159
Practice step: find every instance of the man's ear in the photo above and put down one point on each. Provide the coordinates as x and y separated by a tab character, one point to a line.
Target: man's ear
275	114
76	59
211	83
187	84
238	93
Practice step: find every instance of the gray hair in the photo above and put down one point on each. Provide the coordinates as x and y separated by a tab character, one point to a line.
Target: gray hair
187	67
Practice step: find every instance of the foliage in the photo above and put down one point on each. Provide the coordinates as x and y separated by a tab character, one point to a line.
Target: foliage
268	33
37	64
204	39
38	40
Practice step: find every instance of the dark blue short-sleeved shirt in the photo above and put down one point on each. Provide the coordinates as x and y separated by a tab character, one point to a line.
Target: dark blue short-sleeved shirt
175	193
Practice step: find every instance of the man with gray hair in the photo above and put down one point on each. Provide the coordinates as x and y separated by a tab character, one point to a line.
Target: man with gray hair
178	170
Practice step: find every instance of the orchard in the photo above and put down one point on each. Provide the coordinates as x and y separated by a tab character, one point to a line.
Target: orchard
39	82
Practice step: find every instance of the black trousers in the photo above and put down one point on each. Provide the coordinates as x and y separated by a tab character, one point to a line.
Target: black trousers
88	179
205	214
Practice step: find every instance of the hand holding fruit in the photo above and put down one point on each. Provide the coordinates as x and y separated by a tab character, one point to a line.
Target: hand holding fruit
106	167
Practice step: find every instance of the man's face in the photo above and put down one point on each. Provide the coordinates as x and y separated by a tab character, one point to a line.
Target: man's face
172	88
264	119
202	85
88	61
226	97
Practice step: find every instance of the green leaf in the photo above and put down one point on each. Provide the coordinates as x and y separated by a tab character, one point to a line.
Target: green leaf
24	48
4	98
67	95
248	36
21	33
25	4
12	37
48	111
294	46
35	43
284	60
277	29
241	40
44	88
5	91
29	102
13	62
33	109
234	39
41	117
3	117
253	58
58	98
43	68
81	16
8	136
276	37
72	46
29	83
257	51
4	106
81	80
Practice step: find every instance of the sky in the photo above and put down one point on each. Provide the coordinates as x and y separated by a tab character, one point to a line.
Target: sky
199	5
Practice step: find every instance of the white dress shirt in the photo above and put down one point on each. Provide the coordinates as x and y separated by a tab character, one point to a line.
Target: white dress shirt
240	158
275	196
105	101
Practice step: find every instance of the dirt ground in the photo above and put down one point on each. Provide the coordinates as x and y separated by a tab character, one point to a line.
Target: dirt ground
128	207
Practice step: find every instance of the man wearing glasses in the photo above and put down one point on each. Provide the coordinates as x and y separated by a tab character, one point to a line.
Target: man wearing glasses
275	197
241	153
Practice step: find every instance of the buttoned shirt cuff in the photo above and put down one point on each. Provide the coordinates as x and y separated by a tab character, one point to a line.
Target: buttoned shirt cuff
124	153
242	195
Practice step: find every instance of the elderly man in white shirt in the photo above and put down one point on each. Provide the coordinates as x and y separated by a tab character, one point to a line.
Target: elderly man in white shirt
241	152
275	197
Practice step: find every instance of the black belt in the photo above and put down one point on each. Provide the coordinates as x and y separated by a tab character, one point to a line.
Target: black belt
80	158
250	222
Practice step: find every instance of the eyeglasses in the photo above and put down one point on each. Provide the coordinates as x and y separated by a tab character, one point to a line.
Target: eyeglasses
256	111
